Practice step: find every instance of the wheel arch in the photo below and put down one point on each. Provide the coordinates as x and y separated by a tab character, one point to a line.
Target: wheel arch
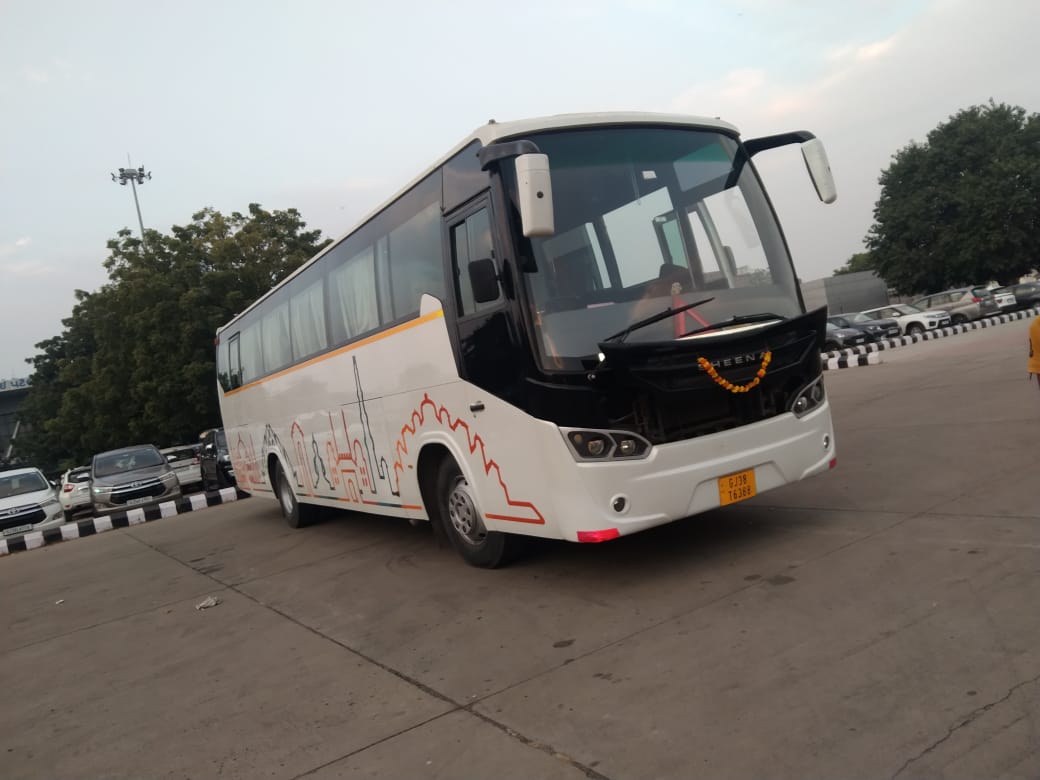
427	466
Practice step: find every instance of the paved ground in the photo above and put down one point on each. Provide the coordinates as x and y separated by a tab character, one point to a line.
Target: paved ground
878	621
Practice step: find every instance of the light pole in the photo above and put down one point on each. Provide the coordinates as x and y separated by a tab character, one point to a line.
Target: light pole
135	176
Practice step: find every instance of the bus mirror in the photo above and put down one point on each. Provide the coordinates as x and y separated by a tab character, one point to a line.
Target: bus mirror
819	170
534	188
483	279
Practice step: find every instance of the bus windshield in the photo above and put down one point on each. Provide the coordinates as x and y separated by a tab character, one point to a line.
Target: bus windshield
649	218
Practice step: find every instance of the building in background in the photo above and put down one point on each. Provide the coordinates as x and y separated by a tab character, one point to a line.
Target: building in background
846	292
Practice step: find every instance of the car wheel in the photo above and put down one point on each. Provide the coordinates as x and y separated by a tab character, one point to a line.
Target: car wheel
959	319
831	346
914	329
464	524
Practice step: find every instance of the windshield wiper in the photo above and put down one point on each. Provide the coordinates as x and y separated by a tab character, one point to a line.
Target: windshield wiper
737	320
623	334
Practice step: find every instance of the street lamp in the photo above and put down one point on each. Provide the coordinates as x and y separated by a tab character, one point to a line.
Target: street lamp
135	176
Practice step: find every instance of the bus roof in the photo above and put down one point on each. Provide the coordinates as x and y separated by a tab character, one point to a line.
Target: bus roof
498	131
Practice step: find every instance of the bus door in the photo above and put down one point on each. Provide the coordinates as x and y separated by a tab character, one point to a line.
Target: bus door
489	353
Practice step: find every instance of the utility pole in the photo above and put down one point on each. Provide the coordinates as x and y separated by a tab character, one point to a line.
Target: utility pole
135	176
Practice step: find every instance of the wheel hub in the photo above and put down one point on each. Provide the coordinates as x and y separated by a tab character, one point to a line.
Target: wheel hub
463	514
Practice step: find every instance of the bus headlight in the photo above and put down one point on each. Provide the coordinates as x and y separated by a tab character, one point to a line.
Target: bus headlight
808	398
605	445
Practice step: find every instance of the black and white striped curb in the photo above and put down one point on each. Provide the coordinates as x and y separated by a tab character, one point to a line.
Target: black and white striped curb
851	361
136	516
931	335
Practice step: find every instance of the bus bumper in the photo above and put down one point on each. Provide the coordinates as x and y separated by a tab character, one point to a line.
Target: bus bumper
681	479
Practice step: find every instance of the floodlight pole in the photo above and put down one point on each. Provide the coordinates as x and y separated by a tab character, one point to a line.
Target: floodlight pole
135	176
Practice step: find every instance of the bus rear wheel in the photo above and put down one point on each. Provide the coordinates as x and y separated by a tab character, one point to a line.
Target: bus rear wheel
296	515
464	524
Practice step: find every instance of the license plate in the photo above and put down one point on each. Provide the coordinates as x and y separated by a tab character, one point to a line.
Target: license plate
736	487
133	501
18	529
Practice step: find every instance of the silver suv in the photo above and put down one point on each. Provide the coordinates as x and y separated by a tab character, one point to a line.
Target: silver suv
963	304
131	477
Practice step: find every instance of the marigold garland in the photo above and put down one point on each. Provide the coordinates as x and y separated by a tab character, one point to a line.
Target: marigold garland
726	384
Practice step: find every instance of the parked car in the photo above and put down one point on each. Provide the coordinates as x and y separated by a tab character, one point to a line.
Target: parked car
28	502
875	329
75	492
185	462
1005	300
215	460
963	304
131	477
1027	294
911	319
840	338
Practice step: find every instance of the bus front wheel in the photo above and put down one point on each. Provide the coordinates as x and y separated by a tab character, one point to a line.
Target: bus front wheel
464	523
295	515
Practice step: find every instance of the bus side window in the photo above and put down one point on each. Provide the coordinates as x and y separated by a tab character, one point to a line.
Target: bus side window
224	368
416	261
471	241
250	360
354	309
229	369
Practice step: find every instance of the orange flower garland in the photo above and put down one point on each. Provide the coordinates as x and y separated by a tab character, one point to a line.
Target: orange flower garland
726	384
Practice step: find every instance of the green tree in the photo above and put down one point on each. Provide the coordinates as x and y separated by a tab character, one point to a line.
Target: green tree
861	261
135	361
964	206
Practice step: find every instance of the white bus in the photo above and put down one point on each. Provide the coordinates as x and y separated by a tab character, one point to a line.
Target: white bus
575	327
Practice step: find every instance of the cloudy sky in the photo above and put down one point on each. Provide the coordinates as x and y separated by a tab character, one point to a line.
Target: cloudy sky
331	106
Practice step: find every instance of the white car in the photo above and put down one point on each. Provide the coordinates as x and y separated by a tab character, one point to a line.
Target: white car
75	491
185	463
28	502
911	320
1005	299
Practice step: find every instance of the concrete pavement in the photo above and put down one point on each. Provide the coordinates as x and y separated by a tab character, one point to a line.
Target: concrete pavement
877	621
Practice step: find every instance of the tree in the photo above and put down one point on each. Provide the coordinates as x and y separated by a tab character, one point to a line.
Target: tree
135	361
861	261
964	206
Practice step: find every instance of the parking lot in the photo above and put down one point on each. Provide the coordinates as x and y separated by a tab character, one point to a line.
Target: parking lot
877	621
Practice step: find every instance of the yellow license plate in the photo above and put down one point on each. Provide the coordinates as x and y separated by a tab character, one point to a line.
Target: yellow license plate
736	487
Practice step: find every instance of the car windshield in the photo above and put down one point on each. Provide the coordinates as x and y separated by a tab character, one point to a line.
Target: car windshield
117	462
906	308
648	219
20	484
221	440
79	476
859	318
832	327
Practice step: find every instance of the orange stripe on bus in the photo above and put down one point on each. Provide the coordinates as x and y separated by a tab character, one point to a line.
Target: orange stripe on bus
532	520
342	350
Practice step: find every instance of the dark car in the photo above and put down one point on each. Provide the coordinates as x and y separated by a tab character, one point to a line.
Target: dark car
875	329
130	477
840	338
1027	294
215	460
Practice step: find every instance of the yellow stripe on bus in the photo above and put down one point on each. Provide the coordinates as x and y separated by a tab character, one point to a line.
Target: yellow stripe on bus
369	340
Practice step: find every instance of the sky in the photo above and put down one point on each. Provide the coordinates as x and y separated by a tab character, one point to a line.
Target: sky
330	107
